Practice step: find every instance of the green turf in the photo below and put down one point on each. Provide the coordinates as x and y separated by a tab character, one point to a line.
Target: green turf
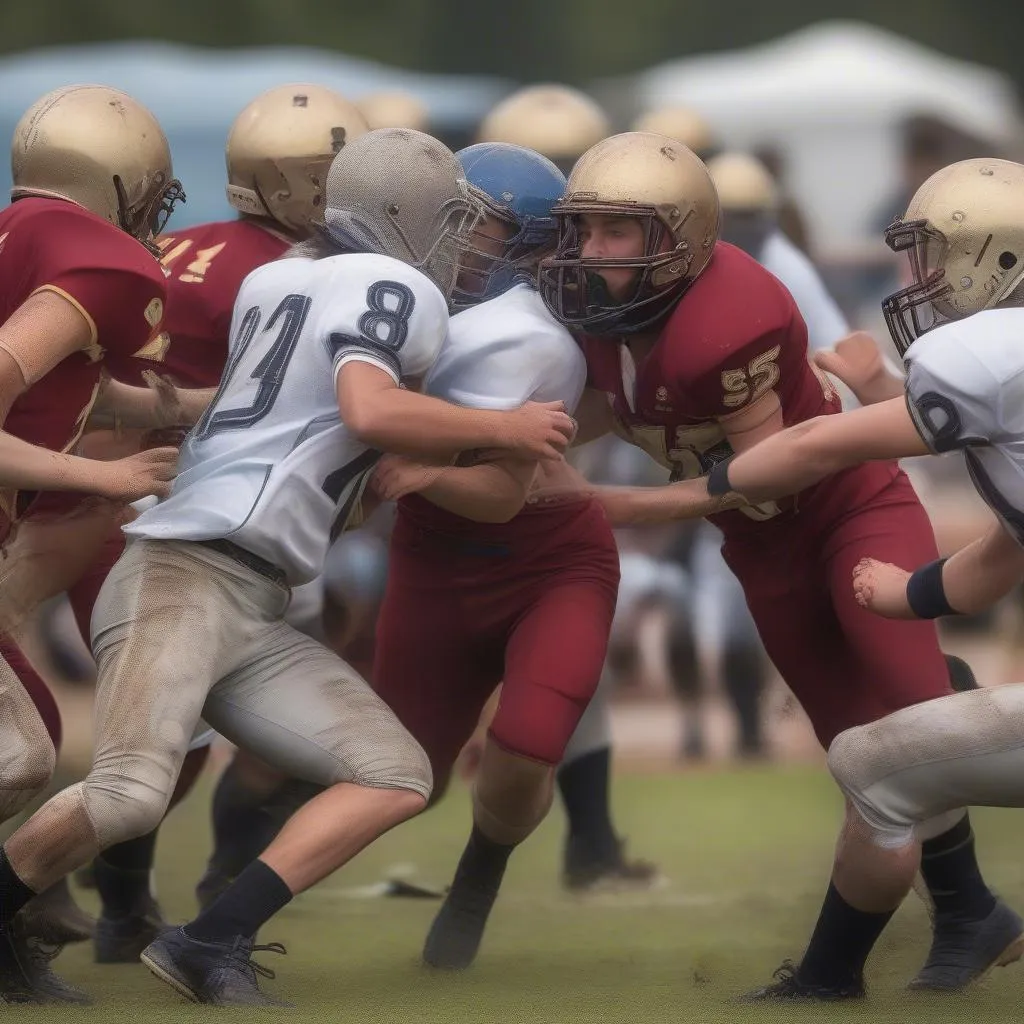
747	853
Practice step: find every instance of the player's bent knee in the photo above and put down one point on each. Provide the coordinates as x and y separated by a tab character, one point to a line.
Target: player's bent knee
123	806
875	806
403	765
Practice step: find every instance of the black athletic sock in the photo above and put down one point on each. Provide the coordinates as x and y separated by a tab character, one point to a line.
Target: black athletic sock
950	870
251	900
482	864
14	893
122	874
242	828
584	785
842	939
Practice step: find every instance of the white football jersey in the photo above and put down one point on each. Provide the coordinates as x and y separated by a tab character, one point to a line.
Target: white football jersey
506	351
270	466
965	391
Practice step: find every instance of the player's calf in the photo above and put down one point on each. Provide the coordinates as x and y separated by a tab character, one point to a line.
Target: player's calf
511	797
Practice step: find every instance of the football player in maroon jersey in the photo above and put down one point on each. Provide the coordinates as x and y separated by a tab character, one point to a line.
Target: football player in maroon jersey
81	295
694	352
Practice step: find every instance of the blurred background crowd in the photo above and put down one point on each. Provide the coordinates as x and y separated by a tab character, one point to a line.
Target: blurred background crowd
817	131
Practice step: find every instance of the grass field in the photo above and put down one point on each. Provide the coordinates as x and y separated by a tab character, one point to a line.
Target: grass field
746	853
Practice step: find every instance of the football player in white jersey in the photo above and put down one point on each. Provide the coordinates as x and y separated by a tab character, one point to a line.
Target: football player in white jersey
320	347
486	586
958	326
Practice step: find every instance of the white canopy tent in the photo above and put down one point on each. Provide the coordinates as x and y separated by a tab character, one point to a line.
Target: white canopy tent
831	99
196	94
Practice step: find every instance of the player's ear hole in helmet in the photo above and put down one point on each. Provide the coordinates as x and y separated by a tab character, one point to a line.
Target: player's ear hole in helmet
399	193
663	187
517	189
963	234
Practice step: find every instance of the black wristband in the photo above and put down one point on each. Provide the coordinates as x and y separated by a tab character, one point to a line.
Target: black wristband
925	593
718	478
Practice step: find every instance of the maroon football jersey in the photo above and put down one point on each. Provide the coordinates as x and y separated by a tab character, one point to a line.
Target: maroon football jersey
207	265
734	336
109	276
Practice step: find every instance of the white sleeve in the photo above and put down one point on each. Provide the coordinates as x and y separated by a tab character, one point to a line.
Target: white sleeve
825	321
399	326
952	396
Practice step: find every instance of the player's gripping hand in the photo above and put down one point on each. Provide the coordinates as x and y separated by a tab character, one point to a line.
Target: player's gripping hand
397	475
539	430
134	477
857	361
881	587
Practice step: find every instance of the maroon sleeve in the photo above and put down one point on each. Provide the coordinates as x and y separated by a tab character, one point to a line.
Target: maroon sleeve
736	336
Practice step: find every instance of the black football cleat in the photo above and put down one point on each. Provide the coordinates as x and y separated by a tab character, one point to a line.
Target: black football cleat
214	973
964	951
25	973
788	986
48	987
455	935
121	940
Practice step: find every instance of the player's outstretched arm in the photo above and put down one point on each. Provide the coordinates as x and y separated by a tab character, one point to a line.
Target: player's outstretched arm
858	362
489	492
967	583
802	455
779	464
28	467
393	419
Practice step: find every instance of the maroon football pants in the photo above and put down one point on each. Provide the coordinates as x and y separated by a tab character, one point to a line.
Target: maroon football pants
846	665
529	606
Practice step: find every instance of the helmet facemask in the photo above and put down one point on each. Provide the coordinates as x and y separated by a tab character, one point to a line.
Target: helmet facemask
488	271
575	292
149	215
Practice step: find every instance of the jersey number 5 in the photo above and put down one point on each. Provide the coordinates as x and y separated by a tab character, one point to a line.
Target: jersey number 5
749	383
289	317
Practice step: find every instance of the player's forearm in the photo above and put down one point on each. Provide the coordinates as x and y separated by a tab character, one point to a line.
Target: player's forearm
984	572
484	493
688	499
125	405
30	467
787	462
408	423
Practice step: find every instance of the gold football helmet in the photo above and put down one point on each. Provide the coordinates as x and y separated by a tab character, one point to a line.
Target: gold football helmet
99	148
964	234
554	120
679	123
280	149
665	186
393	109
743	183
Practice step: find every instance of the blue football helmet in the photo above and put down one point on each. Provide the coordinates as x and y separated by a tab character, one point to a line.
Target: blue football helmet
517	188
